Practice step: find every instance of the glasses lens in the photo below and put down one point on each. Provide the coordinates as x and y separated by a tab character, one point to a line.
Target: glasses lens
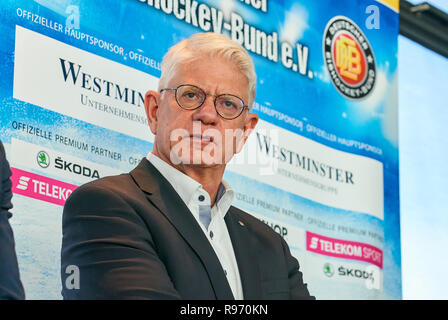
189	97
229	106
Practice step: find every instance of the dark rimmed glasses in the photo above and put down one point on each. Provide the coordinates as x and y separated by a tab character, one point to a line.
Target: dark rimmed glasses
190	97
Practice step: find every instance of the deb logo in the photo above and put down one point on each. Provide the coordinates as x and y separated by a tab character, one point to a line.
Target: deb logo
43	159
349	58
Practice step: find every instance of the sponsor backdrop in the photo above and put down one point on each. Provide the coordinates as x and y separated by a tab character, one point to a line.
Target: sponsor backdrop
321	168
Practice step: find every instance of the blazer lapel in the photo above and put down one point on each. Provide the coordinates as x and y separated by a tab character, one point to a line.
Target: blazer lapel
166	199
245	252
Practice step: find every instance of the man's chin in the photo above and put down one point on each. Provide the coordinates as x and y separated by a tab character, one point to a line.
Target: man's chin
198	159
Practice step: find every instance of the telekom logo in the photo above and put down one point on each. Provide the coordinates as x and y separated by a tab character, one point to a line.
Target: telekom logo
23	183
313	243
344	249
40	187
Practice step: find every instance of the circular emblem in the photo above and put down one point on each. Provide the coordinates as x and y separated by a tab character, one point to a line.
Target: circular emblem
349	58
328	270
43	159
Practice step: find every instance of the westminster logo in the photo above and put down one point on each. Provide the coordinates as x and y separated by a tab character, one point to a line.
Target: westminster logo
43	159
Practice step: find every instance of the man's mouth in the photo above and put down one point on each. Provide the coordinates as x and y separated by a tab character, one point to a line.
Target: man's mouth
202	138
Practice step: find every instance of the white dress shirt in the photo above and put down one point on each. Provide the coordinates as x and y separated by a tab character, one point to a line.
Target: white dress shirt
193	195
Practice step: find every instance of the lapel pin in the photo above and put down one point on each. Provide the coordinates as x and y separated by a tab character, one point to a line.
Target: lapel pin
241	223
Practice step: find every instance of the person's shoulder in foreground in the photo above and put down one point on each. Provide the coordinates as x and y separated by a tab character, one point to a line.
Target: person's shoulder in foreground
10	284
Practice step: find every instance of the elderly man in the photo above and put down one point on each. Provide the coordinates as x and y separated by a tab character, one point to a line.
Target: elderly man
168	230
10	284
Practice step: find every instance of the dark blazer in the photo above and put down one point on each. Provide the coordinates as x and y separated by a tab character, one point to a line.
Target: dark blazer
132	237
10	284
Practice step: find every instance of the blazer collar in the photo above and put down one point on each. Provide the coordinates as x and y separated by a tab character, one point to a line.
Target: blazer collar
165	198
245	248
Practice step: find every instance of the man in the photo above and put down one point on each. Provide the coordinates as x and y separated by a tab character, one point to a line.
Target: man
167	229
10	284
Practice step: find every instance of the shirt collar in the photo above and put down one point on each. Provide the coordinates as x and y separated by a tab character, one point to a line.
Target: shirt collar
183	184
224	197
186	187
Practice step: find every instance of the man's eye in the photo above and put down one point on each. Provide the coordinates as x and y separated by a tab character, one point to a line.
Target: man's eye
190	95
229	104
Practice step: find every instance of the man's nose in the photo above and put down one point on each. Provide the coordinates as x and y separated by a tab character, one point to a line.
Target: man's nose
207	112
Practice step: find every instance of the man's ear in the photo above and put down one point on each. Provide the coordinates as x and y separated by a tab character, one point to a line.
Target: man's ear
249	125
250	122
152	99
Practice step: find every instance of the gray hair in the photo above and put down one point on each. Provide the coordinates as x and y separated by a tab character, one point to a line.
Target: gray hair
211	45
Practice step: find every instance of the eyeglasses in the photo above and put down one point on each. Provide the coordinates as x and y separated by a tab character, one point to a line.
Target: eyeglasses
190	97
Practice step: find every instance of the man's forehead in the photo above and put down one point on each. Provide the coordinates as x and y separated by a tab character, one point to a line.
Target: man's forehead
209	71
196	62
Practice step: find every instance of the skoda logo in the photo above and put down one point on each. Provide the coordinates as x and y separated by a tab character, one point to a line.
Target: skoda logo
43	159
328	270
